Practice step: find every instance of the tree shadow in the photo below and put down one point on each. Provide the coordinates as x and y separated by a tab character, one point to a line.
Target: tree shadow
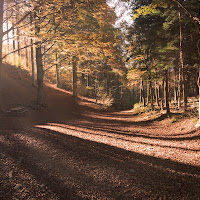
103	124
101	169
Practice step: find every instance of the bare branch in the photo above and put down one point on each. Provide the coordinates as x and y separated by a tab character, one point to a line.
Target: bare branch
35	43
48	48
54	64
189	14
18	22
16	4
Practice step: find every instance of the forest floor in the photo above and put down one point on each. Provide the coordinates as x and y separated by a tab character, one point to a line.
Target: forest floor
70	149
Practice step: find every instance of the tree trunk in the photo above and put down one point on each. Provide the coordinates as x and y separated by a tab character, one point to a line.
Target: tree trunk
44	56
175	88
8	40
14	47
32	64
1	33
167	92
57	71
26	50
32	55
142	97
40	75
179	88
156	93
96	89
88	80
147	92
74	66
182	63
151	93
162	95
19	53
39	63
196	89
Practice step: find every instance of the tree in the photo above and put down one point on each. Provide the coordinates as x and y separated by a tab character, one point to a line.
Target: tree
158	37
1	32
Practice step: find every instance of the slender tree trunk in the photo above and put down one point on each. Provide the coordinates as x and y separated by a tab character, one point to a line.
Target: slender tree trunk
88	80
40	75
182	64
14	46
8	40
122	92
26	50
142	100
179	88
140	90
96	89
57	71
147	92
32	64
175	93
39	63
32	55
74	66
198	82
175	87
19	53
44	56
162	95
156	93
151	93
167	92
19	57
1	33
196	89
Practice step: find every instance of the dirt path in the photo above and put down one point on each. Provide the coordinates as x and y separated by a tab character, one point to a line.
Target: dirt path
72	150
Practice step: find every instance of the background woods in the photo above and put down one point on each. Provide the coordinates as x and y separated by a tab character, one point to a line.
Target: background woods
163	50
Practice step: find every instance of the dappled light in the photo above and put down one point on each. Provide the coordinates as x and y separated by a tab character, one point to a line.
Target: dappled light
187	151
99	100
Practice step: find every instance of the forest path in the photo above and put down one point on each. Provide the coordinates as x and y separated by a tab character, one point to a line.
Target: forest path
72	150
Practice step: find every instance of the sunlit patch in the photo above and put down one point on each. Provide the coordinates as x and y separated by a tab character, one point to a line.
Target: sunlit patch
184	152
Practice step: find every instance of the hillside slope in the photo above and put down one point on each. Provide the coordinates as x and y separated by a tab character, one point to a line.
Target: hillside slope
18	95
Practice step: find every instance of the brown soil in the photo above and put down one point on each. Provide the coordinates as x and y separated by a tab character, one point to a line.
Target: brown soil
70	149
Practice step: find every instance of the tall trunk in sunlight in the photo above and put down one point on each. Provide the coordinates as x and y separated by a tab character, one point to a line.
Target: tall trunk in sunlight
151	93
57	71
40	74
175	87
39	63
26	50
179	88
162	95
1	33
32	64
142	97
74	68
7	27
156	93
18	52
32	54
147	92
167	92
182	63
13	35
